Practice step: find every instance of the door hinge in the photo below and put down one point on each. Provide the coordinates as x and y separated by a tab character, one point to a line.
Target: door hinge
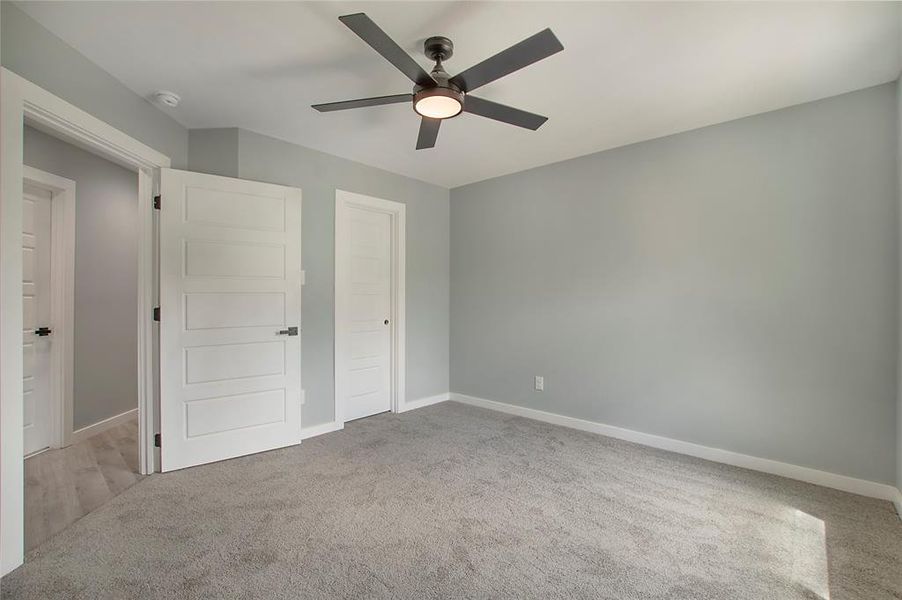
157	201
156	313
156	440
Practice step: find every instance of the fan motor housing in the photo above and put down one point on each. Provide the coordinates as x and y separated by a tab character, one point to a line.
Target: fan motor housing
442	87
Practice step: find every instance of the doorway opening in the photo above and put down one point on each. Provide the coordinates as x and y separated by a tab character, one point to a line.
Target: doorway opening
22	104
79	339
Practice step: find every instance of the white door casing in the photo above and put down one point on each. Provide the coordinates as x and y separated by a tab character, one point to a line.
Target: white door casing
21	100
230	282
369	306
36	293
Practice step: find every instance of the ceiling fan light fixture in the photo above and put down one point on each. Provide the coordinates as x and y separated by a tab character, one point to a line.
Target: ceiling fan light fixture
438	103
438	96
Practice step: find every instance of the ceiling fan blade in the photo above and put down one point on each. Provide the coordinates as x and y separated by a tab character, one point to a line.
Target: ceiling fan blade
363	102
370	33
532	49
505	114
428	133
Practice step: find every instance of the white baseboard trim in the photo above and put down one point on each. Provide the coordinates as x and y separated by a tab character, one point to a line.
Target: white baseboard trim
422	402
84	433
898	502
806	474
315	430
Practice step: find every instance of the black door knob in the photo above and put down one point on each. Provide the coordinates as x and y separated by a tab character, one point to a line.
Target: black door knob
42	331
386	321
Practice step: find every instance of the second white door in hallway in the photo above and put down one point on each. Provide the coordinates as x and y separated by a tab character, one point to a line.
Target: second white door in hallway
35	317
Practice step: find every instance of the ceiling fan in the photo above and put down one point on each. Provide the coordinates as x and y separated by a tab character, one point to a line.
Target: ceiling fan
437	95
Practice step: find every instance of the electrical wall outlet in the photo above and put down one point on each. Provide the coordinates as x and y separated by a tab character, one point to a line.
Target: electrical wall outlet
540	383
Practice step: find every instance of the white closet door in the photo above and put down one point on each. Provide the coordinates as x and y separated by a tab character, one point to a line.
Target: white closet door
368	304
230	300
36	242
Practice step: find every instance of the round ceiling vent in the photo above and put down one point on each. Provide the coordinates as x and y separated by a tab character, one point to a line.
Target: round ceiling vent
166	98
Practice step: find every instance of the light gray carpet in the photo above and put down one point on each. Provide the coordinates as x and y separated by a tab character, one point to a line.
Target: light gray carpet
453	501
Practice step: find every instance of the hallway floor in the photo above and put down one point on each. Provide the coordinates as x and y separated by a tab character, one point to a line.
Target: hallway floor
63	485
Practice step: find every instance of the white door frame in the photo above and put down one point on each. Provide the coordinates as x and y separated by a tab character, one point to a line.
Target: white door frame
22	101
398	213
62	300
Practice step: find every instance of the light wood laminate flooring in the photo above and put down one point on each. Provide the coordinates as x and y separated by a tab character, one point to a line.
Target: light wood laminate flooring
65	484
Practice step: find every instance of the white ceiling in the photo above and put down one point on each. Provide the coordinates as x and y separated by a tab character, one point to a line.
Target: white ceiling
629	71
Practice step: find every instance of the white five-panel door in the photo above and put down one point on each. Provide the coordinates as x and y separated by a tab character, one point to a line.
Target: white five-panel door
36	240
230	300
368	365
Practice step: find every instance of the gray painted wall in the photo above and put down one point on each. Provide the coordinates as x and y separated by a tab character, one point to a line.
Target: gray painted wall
30	50
106	275
266	159
733	286
213	151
